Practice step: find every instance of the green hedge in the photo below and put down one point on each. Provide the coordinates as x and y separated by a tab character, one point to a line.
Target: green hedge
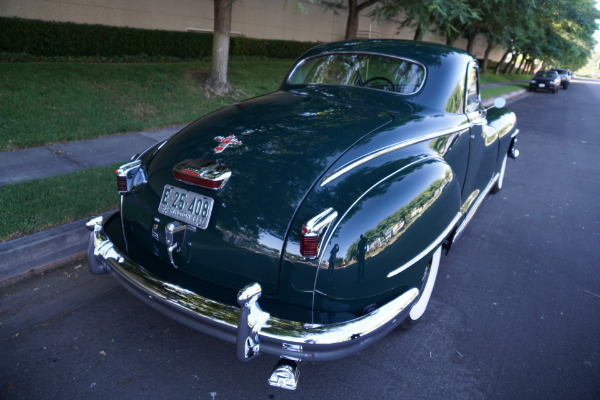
64	39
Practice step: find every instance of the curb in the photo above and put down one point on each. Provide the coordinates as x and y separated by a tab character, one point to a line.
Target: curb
45	249
507	96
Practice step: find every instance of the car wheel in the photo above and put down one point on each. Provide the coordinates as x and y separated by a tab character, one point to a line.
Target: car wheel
496	188
418	309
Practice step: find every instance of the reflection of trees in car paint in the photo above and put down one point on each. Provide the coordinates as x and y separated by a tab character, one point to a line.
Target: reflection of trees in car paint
390	229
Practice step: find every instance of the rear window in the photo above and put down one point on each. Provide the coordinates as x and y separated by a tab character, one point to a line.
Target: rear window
364	70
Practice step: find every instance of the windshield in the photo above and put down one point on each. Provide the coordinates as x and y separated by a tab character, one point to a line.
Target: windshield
547	74
365	70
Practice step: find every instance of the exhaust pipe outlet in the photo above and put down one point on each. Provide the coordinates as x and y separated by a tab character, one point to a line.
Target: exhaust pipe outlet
285	374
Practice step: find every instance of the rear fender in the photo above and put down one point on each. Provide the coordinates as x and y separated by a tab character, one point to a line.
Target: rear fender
504	122
380	245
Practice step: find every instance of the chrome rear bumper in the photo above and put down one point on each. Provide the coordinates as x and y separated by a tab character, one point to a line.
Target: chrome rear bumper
251	329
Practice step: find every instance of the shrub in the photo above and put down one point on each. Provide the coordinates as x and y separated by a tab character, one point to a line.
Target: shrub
64	39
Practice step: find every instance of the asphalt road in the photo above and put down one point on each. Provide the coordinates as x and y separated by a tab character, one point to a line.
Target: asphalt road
515	313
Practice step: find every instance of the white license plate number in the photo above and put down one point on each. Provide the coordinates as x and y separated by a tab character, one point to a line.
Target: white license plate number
542	85
189	207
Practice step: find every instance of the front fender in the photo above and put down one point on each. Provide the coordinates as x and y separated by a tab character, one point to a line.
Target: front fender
381	244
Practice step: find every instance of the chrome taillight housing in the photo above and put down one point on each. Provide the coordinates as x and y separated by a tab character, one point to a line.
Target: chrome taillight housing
311	236
130	176
204	173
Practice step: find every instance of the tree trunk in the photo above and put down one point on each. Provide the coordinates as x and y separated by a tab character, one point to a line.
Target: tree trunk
353	14
471	41
497	69
510	63
521	64
513	63
418	33
217	81
542	65
352	23
486	56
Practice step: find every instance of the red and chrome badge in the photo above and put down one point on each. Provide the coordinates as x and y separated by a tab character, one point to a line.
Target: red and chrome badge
225	142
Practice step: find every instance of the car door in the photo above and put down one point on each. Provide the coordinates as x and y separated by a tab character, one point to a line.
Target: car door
483	144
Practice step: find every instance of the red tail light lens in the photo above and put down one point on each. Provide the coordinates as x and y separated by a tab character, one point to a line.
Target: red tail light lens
309	246
311	235
121	183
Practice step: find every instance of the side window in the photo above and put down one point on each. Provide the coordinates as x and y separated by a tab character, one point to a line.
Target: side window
473	102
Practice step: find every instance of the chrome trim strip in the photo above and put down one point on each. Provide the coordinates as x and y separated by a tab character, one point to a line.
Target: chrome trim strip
316	224
324	54
429	248
475	206
378	153
277	336
130	172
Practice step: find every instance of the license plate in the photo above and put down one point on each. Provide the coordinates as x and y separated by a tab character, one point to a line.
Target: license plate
542	85
189	207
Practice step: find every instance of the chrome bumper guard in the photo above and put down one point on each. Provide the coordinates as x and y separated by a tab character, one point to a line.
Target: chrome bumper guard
250	328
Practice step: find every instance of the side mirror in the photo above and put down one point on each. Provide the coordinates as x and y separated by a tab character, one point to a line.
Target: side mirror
499	102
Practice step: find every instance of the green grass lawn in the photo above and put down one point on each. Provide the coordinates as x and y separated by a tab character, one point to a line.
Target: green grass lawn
43	103
32	206
489	77
498	91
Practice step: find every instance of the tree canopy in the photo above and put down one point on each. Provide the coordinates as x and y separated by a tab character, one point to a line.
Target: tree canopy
557	32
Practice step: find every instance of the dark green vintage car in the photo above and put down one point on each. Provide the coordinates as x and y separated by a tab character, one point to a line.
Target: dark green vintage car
330	200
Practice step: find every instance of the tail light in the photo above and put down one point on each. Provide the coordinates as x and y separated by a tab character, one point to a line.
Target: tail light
130	176
311	235
204	173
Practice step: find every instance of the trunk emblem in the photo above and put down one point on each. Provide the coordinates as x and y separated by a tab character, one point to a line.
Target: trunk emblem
225	142
204	173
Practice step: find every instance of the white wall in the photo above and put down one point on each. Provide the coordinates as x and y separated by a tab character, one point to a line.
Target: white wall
265	19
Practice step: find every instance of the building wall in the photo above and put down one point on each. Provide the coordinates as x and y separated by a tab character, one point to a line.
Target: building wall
265	19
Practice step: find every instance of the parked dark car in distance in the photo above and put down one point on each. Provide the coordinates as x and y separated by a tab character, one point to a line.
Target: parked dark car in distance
545	80
565	76
328	202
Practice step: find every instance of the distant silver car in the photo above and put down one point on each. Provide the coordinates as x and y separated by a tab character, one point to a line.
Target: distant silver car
565	76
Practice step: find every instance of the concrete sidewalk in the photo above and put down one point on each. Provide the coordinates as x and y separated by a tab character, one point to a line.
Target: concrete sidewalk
30	253
21	256
42	162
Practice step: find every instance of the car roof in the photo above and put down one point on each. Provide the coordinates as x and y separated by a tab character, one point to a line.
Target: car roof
424	52
446	67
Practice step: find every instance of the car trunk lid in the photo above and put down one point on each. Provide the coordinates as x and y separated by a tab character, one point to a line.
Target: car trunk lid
276	147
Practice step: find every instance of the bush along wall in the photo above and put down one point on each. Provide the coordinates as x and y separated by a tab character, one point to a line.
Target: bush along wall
64	39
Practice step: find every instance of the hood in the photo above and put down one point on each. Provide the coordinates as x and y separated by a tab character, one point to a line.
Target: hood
543	78
276	147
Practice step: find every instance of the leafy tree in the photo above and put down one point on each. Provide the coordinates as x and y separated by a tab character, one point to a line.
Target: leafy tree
449	17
